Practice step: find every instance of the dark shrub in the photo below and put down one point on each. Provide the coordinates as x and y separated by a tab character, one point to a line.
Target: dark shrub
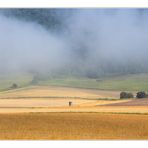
130	95
141	94
14	86
126	95
123	95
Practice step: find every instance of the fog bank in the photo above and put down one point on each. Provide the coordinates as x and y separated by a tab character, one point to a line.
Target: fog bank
92	42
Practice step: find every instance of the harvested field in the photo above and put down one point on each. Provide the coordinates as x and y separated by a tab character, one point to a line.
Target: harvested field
56	99
25	103
57	92
51	96
73	126
78	109
52	102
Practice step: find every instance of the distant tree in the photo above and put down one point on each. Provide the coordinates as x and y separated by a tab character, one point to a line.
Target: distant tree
130	95
122	95
14	85
126	95
141	94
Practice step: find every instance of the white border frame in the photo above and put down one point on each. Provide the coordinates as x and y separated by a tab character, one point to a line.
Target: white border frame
73	3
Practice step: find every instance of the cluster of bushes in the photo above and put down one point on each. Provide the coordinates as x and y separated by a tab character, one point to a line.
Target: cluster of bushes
126	95
140	94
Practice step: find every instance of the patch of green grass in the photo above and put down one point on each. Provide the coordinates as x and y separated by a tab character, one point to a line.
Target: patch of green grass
21	80
129	82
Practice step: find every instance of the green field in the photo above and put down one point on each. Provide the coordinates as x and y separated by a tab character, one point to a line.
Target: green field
129	82
21	80
125	82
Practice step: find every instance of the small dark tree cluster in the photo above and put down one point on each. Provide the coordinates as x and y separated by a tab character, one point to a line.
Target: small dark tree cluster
141	94
126	95
14	86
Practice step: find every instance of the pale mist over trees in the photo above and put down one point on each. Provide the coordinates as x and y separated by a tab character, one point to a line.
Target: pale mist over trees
86	42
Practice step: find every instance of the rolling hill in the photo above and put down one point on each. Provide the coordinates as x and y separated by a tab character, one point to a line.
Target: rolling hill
130	82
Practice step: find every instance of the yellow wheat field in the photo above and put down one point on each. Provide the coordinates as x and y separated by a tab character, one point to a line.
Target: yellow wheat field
73	126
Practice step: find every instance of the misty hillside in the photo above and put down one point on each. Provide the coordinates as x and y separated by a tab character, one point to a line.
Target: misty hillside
129	82
78	42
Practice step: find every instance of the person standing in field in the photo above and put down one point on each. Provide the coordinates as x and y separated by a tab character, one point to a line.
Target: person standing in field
70	103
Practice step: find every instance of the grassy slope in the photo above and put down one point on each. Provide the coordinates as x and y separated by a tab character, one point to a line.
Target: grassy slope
20	79
126	82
